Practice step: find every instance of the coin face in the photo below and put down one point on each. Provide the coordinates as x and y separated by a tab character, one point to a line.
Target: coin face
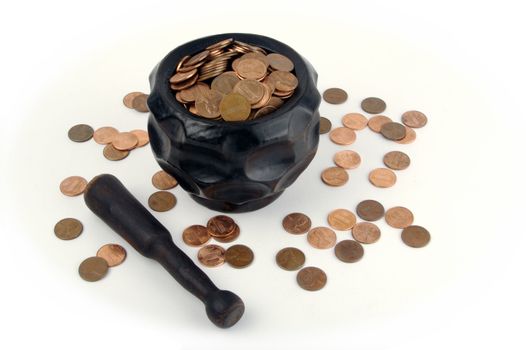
68	228
225	82
140	104
80	133
349	251
296	223
397	160
211	255
73	186
290	258
128	99
196	235
232	236
104	135
347	159
142	137
208	102
239	256
163	181
234	107
393	131
124	141
399	217
162	201
375	123
325	125
251	68
280	62
341	219
414	119
355	121
382	177
335	176
93	269
220	226
311	278
370	210
416	236
335	96
321	237
283	81
111	153
373	105
114	254
410	136
366	232
252	90
342	136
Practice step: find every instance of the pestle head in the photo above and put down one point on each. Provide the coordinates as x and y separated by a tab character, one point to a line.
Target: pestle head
224	308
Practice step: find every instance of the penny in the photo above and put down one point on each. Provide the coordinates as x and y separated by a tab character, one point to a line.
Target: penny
140	103
220	226
342	136
104	135
252	90
335	176
93	269
393	131
190	94
311	278
73	186
366	232
114	254
335	96
283	81
232	236
196	235
225	82
399	217
347	159
234	107
382	177
251	68
280	62
239	256
321	237
410	136
341	219
211	255
162	201
355	121
397	160
207	103
264	111
296	223
163	181
179	77
111	153
373	105
375	123
262	103
142	137
325	125
414	119
416	236
125	141
370	210
201	56
80	133
68	228
128	99
290	258
348	251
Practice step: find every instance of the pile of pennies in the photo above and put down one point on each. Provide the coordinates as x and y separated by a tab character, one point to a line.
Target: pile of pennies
233	81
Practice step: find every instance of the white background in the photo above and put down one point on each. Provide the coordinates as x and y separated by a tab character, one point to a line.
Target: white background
460	62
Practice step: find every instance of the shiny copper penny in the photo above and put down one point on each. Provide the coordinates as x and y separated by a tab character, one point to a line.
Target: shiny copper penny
111	153
366	232
399	217
410	136
68	228
80	133
128	99
355	121
104	135
342	136
162	201
251	68
283	81
349	251
335	96
196	235
416	236
375	123
280	62
397	160
239	256
311	278
220	226
114	254
73	186
225	82
373	105
252	90
232	236
414	119
321	237
325	125
370	210
296	223
211	255
163	181
382	177
125	141
93	269
142	137
347	159
393	131
335	176
290	258
234	107
341	219
140	104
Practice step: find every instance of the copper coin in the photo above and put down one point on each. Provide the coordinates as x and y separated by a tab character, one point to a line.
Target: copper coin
73	186
251	68
296	223
335	96
393	131
397	160
283	81
125	141
234	107
201	56
207	103
366	232
211	255
382	177
163	181
179	77
399	217
347	159
342	136
220	226
348	251
414	119
252	90
140	103
341	219
239	256
114	254
416	236
375	123
280	62
311	278
162	201
142	137
321	237
68	228
93	269
80	133
232	236
190	94
196	235
373	105
410	136
370	210
128	99
104	135
225	82
335	176
325	125
290	258
264	111
355	121
111	153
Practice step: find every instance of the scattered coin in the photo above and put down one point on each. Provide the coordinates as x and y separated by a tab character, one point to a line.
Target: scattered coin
410	136
280	62
382	177
311	278
125	141
321	237
414	119
232	236
416	236
373	105
335	176
355	121
325	125
347	159
221	226
239	256
335	96
128	99
349	251
296	223
114	254
290	258
399	217
111	153
80	133
163	181
375	123
393	131
140	104
142	137
342	136
366	232
68	228
397	160
73	186
211	255
93	269
104	135
162	201
341	219
196	235
370	210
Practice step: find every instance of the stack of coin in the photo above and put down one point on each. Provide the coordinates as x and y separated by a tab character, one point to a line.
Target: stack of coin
137	101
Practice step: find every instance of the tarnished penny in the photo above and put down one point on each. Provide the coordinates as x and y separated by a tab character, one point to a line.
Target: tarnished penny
220	226
163	181
140	104
373	105
114	254
311	278
93	269
68	228
349	251
375	123
225	82
290	258
382	177
211	255
105	135
142	137
252	90
80	133
414	119
280	62
296	223
239	256
355	121
410	136
232	236
335	96
196	235
370	210
111	153
125	141
342	136
347	159
397	160
366	232
162	201
73	186
325	125
234	107
416	236
207	103
321	237
128	99
341	219
335	176
399	217
393	131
